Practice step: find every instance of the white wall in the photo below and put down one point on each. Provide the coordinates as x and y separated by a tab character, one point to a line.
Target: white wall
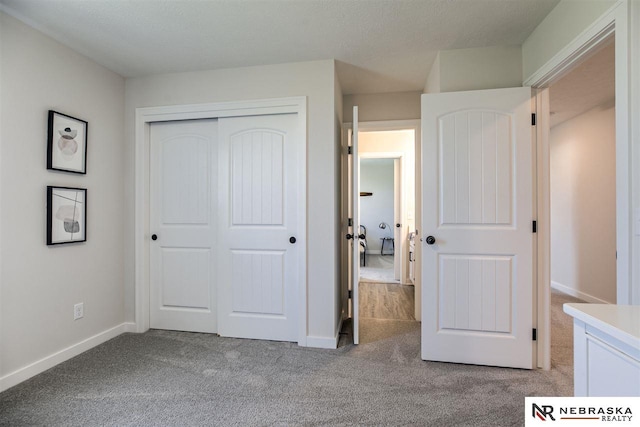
376	176
316	80
583	206
476	69
383	106
39	284
433	80
566	21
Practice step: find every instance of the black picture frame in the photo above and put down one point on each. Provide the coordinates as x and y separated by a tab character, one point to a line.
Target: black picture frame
67	143
66	215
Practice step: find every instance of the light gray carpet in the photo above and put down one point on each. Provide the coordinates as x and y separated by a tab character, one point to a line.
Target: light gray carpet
186	379
379	268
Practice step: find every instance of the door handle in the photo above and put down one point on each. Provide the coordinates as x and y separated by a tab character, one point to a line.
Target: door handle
430	240
398	225
355	236
154	237
292	240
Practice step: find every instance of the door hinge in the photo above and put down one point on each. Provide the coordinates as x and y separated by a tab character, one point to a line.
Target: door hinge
350	293
534	334
534	227
349	222
349	150
533	119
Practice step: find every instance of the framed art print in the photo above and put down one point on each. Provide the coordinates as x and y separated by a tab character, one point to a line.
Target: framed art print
66	215
67	143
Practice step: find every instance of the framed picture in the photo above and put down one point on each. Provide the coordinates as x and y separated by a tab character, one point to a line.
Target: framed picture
67	144
66	215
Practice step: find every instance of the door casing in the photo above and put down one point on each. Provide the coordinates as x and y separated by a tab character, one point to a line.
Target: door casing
346	258
614	22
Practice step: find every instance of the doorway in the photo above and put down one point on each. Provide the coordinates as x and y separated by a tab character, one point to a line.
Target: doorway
386	288
380	199
582	176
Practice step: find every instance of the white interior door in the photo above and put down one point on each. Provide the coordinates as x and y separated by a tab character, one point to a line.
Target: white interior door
477	207
259	205
183	223
355	241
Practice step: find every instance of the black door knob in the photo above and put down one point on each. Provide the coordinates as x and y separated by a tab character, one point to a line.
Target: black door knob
362	236
154	237
292	239
349	236
430	240
398	225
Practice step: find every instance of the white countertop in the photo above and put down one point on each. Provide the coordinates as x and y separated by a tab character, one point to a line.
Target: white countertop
619	321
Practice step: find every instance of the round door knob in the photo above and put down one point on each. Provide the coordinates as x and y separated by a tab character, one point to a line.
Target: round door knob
349	236
154	237
292	239
430	240
398	225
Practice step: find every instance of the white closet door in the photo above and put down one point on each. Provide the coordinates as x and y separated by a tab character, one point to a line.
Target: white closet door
258	206
183	219
477	262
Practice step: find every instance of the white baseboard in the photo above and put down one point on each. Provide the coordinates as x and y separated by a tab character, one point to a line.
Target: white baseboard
326	342
321	342
578	294
35	368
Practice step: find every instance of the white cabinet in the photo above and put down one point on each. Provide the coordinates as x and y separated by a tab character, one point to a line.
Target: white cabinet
606	341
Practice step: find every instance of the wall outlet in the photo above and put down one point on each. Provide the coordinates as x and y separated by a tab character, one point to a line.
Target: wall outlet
78	311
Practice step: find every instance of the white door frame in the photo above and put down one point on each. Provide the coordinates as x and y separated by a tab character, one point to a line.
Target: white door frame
144	118
613	22
387	125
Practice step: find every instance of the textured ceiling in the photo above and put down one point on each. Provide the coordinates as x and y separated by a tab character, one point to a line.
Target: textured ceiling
380	45
590	84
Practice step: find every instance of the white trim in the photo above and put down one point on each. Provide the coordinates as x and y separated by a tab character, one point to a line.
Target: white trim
578	50
146	116
543	232
323	342
613	21
48	362
576	293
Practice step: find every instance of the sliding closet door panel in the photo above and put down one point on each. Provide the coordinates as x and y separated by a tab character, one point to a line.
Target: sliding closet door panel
258	227
184	221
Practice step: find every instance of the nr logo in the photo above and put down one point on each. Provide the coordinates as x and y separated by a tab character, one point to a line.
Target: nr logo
542	412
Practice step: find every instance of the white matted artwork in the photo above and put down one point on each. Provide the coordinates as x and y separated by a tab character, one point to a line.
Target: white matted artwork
67	143
66	215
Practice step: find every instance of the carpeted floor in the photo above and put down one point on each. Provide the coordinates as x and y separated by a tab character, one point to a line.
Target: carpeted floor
379	268
186	379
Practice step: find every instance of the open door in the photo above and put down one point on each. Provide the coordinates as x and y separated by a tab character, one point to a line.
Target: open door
354	236
477	210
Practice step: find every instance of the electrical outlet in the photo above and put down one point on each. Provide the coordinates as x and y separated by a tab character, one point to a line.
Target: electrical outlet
78	311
